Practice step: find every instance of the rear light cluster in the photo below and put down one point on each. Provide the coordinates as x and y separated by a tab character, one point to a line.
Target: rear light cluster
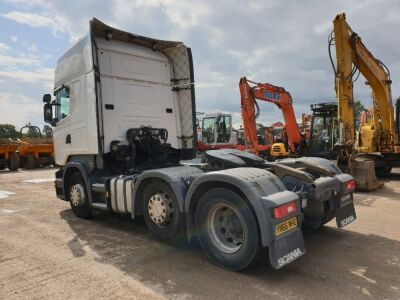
285	210
350	186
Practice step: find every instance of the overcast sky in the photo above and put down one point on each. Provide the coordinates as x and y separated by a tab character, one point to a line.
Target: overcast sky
280	42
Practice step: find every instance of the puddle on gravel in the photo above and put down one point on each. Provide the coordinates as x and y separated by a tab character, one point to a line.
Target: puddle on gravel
5	194
10	211
38	180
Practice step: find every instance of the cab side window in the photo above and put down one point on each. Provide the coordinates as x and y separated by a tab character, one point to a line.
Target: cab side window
63	103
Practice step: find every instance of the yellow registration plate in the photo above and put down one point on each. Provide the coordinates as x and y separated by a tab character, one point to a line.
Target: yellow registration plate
285	226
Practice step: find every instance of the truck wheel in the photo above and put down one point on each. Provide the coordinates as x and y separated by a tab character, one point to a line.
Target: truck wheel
227	229
310	224
161	210
329	212
28	161
14	162
383	171
78	196
328	217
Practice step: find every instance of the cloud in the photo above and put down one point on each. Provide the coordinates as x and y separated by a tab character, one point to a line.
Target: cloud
4	48
183	14
323	28
35	20
30	2
14	38
32	48
10	61
24	109
44	76
280	42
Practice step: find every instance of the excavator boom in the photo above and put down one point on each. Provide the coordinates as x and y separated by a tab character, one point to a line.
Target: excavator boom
272	94
352	56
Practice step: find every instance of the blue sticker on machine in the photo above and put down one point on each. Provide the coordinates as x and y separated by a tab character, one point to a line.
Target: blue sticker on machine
273	96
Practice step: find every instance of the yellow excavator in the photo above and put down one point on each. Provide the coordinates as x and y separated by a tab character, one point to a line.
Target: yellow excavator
375	148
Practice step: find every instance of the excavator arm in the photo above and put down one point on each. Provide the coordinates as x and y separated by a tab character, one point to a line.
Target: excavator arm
352	57
272	94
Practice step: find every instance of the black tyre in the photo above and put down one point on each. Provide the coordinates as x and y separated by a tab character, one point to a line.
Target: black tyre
383	171
328	217
227	229
310	224
161	211
14	162
78	196
329	212
29	161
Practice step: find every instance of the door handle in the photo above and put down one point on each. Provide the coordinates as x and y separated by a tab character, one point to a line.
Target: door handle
68	139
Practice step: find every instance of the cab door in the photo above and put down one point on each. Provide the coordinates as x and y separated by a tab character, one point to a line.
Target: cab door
61	134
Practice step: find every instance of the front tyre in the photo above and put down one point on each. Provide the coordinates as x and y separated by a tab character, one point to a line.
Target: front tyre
161	210
29	161
227	229
78	196
14	162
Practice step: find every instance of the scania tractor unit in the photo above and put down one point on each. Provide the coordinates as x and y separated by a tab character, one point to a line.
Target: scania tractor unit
124	119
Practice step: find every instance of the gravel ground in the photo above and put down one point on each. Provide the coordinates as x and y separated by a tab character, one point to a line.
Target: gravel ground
46	252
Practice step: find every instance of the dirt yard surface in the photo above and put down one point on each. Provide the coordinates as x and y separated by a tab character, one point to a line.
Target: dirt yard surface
46	252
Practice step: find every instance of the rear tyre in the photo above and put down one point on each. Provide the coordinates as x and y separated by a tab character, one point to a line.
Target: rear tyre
28	161
161	210
14	162
78	196
227	229
328	217
310	224
383	171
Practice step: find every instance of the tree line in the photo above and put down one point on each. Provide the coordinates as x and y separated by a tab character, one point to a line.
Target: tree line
9	131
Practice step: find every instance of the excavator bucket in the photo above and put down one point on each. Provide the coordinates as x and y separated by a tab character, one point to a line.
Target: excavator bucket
363	172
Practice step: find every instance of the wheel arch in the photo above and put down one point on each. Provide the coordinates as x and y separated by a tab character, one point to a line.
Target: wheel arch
239	186
71	168
175	177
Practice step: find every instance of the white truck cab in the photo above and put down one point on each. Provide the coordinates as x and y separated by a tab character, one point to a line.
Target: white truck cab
111	81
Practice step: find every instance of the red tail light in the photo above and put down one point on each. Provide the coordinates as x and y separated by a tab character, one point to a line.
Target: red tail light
350	186
285	210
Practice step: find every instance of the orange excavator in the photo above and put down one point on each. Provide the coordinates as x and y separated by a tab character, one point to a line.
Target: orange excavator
249	92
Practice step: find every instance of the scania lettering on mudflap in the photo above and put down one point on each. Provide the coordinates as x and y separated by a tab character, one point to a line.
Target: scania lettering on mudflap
291	256
347	221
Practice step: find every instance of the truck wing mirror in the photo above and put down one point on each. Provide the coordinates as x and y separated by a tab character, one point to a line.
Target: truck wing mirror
46	98
48	113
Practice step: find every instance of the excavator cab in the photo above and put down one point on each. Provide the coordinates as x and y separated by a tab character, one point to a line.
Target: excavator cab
365	132
324	131
279	147
217	132
223	128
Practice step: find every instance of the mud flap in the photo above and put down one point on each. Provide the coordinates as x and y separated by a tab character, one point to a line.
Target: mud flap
286	249
345	215
363	172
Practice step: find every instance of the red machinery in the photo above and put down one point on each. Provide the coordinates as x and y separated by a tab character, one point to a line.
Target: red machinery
250	111
216	132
